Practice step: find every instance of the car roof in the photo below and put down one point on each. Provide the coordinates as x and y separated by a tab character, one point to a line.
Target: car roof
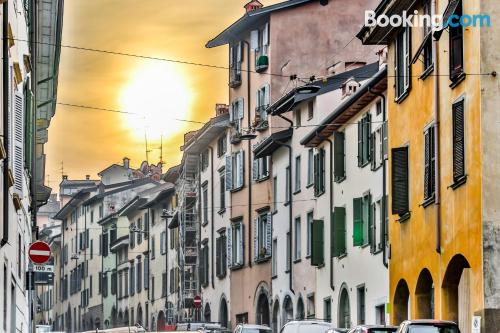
309	321
430	321
377	326
255	326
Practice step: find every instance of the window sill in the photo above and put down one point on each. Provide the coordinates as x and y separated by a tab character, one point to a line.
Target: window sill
365	163
296	192
221	211
287	271
221	276
275	276
296	261
457	80
262	260
286	203
236	189
429	201
309	185
364	245
427	72
402	97
376	167
204	224
340	180
459	182
262	126
405	217
236	267
319	194
342	256
308	256
260	180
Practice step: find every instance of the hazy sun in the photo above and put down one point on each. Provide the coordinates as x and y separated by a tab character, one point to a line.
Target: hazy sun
158	94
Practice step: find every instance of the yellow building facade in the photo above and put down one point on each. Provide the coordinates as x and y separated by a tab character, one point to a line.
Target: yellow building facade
443	114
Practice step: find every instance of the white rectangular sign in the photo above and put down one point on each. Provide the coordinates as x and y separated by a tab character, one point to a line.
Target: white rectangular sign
476	324
43	268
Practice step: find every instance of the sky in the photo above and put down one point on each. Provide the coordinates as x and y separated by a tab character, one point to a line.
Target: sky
85	141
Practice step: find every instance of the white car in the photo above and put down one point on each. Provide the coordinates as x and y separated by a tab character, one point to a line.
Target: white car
247	328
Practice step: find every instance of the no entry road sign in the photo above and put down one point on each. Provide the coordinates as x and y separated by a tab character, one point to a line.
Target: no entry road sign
197	301
39	252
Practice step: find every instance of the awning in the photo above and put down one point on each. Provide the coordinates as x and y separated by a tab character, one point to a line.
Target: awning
269	145
292	99
450	10
174	223
42	194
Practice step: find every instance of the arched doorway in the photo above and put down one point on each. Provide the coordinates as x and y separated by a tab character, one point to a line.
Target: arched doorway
113	317
160	324
153	321
139	315
223	313
276	316
207	313
344	310
300	309
401	301
456	292
68	319
120	318
126	321
424	296
287	309
263	310
97	323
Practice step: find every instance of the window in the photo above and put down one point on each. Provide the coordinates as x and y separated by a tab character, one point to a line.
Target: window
327	309
309	232
220	253
222	145
235	60
317	255
235	170
132	278
204	195
310	167
105	244
236	114
262	104
153	250
310	306
288	185
139	231
260	168
222	192
132	236
92	216
259	42
104	284
172	283
362	222
139	273
101	211
204	160
339	156
235	245
298	117
125	283
458	115
114	278
288	251
338	230
456	48
319	172
274	265
262	236
275	194
400	188
146	272
298	236
361	305
377	148
163	242
203	268
163	284
429	164
427	46
364	140
91	248
402	62
297	173
310	110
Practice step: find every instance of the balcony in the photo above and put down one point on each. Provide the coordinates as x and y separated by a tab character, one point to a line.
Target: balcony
235	76
260	122
261	63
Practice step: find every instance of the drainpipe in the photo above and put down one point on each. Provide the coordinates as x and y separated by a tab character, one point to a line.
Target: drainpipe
149	255
290	212
212	214
5	93
436	139
384	179
33	82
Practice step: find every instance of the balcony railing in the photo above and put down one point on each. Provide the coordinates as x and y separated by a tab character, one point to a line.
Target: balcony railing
235	76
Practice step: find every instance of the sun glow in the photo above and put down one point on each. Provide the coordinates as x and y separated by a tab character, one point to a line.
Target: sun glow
157	94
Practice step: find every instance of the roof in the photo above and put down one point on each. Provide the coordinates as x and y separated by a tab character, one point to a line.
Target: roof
250	20
273	142
352	105
77	198
163	194
320	87
77	182
172	174
133	184
211	130
111	167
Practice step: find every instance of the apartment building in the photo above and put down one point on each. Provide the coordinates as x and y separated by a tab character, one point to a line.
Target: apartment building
268	50
443	124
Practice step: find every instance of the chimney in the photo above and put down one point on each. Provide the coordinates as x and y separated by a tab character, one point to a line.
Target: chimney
126	162
382	56
221	109
253	5
87	177
65	177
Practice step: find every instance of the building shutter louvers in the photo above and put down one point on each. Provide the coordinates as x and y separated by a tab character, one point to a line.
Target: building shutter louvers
400	204
458	141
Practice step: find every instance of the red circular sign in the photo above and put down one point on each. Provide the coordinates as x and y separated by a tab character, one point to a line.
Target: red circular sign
39	252
197	301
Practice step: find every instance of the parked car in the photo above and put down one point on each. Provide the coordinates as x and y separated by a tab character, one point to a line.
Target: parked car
310	326
373	329
247	328
428	326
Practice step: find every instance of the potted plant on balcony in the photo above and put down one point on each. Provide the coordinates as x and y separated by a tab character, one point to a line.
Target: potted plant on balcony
262	252
262	63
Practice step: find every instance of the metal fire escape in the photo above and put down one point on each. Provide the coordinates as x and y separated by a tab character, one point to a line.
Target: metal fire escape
189	228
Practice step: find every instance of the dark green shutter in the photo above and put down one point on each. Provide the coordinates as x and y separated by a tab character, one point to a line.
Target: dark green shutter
218	256
322	170
458	141
367	137
317	255
360	142
338	235
357	234
372	229
339	155
427	163
400	204
316	173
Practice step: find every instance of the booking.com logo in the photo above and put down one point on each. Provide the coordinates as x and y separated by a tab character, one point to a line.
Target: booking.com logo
434	21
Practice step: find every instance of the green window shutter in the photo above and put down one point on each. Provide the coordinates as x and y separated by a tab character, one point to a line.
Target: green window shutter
322	170
317	255
339	155
367	202
367	137
338	233
357	233
316	173
372	235
360	142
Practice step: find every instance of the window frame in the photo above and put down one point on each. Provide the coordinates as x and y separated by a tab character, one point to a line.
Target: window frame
402	88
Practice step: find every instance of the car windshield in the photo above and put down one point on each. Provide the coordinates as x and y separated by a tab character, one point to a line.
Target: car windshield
257	330
433	328
383	330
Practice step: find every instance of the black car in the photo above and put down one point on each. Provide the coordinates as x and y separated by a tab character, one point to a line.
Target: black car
373	329
428	326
